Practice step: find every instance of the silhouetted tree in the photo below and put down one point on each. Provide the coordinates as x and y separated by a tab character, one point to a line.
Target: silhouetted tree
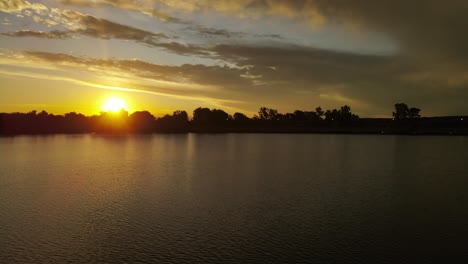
181	116
346	114
109	122
206	120
414	112
332	115
311	116
75	123
219	116
268	114
177	122
402	111
201	115
239	117
204	117
141	122
319	112
299	115
342	115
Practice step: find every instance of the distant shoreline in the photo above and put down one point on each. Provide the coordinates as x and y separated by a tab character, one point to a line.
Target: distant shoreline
216	121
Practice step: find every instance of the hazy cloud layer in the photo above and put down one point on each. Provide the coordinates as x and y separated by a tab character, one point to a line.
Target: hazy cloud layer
198	81
187	73
146	7
325	78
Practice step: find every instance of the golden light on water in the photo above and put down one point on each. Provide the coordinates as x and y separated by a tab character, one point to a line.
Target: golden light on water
114	104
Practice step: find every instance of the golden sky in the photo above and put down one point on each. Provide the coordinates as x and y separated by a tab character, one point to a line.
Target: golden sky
161	56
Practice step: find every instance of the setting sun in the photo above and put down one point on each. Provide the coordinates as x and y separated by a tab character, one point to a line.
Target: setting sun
114	104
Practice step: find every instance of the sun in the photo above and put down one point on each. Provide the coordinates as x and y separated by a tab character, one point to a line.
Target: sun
114	104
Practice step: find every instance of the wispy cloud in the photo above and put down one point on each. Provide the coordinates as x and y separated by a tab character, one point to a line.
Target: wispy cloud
54	34
79	24
146	7
187	81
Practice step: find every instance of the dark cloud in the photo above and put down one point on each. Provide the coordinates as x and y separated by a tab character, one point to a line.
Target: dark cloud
105	29
369	82
55	34
224	33
182	49
428	30
213	32
273	36
427	27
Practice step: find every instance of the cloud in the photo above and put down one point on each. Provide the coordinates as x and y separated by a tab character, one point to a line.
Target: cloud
87	25
213	32
102	28
146	7
175	47
122	75
429	69
284	77
55	34
76	23
423	28
373	83
187	73
82	24
18	6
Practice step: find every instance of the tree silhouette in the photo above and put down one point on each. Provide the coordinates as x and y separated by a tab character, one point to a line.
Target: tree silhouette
268	114
319	112
141	122
342	115
414	112
239	117
201	115
402	111
205	116
177	122
340	120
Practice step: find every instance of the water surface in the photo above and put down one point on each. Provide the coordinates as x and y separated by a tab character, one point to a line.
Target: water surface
233	198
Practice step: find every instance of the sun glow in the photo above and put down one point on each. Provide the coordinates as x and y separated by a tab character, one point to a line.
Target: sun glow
114	104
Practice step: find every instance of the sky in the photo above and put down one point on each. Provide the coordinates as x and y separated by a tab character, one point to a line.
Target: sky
166	55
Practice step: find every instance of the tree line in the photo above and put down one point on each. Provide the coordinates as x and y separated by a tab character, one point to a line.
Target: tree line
342	120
